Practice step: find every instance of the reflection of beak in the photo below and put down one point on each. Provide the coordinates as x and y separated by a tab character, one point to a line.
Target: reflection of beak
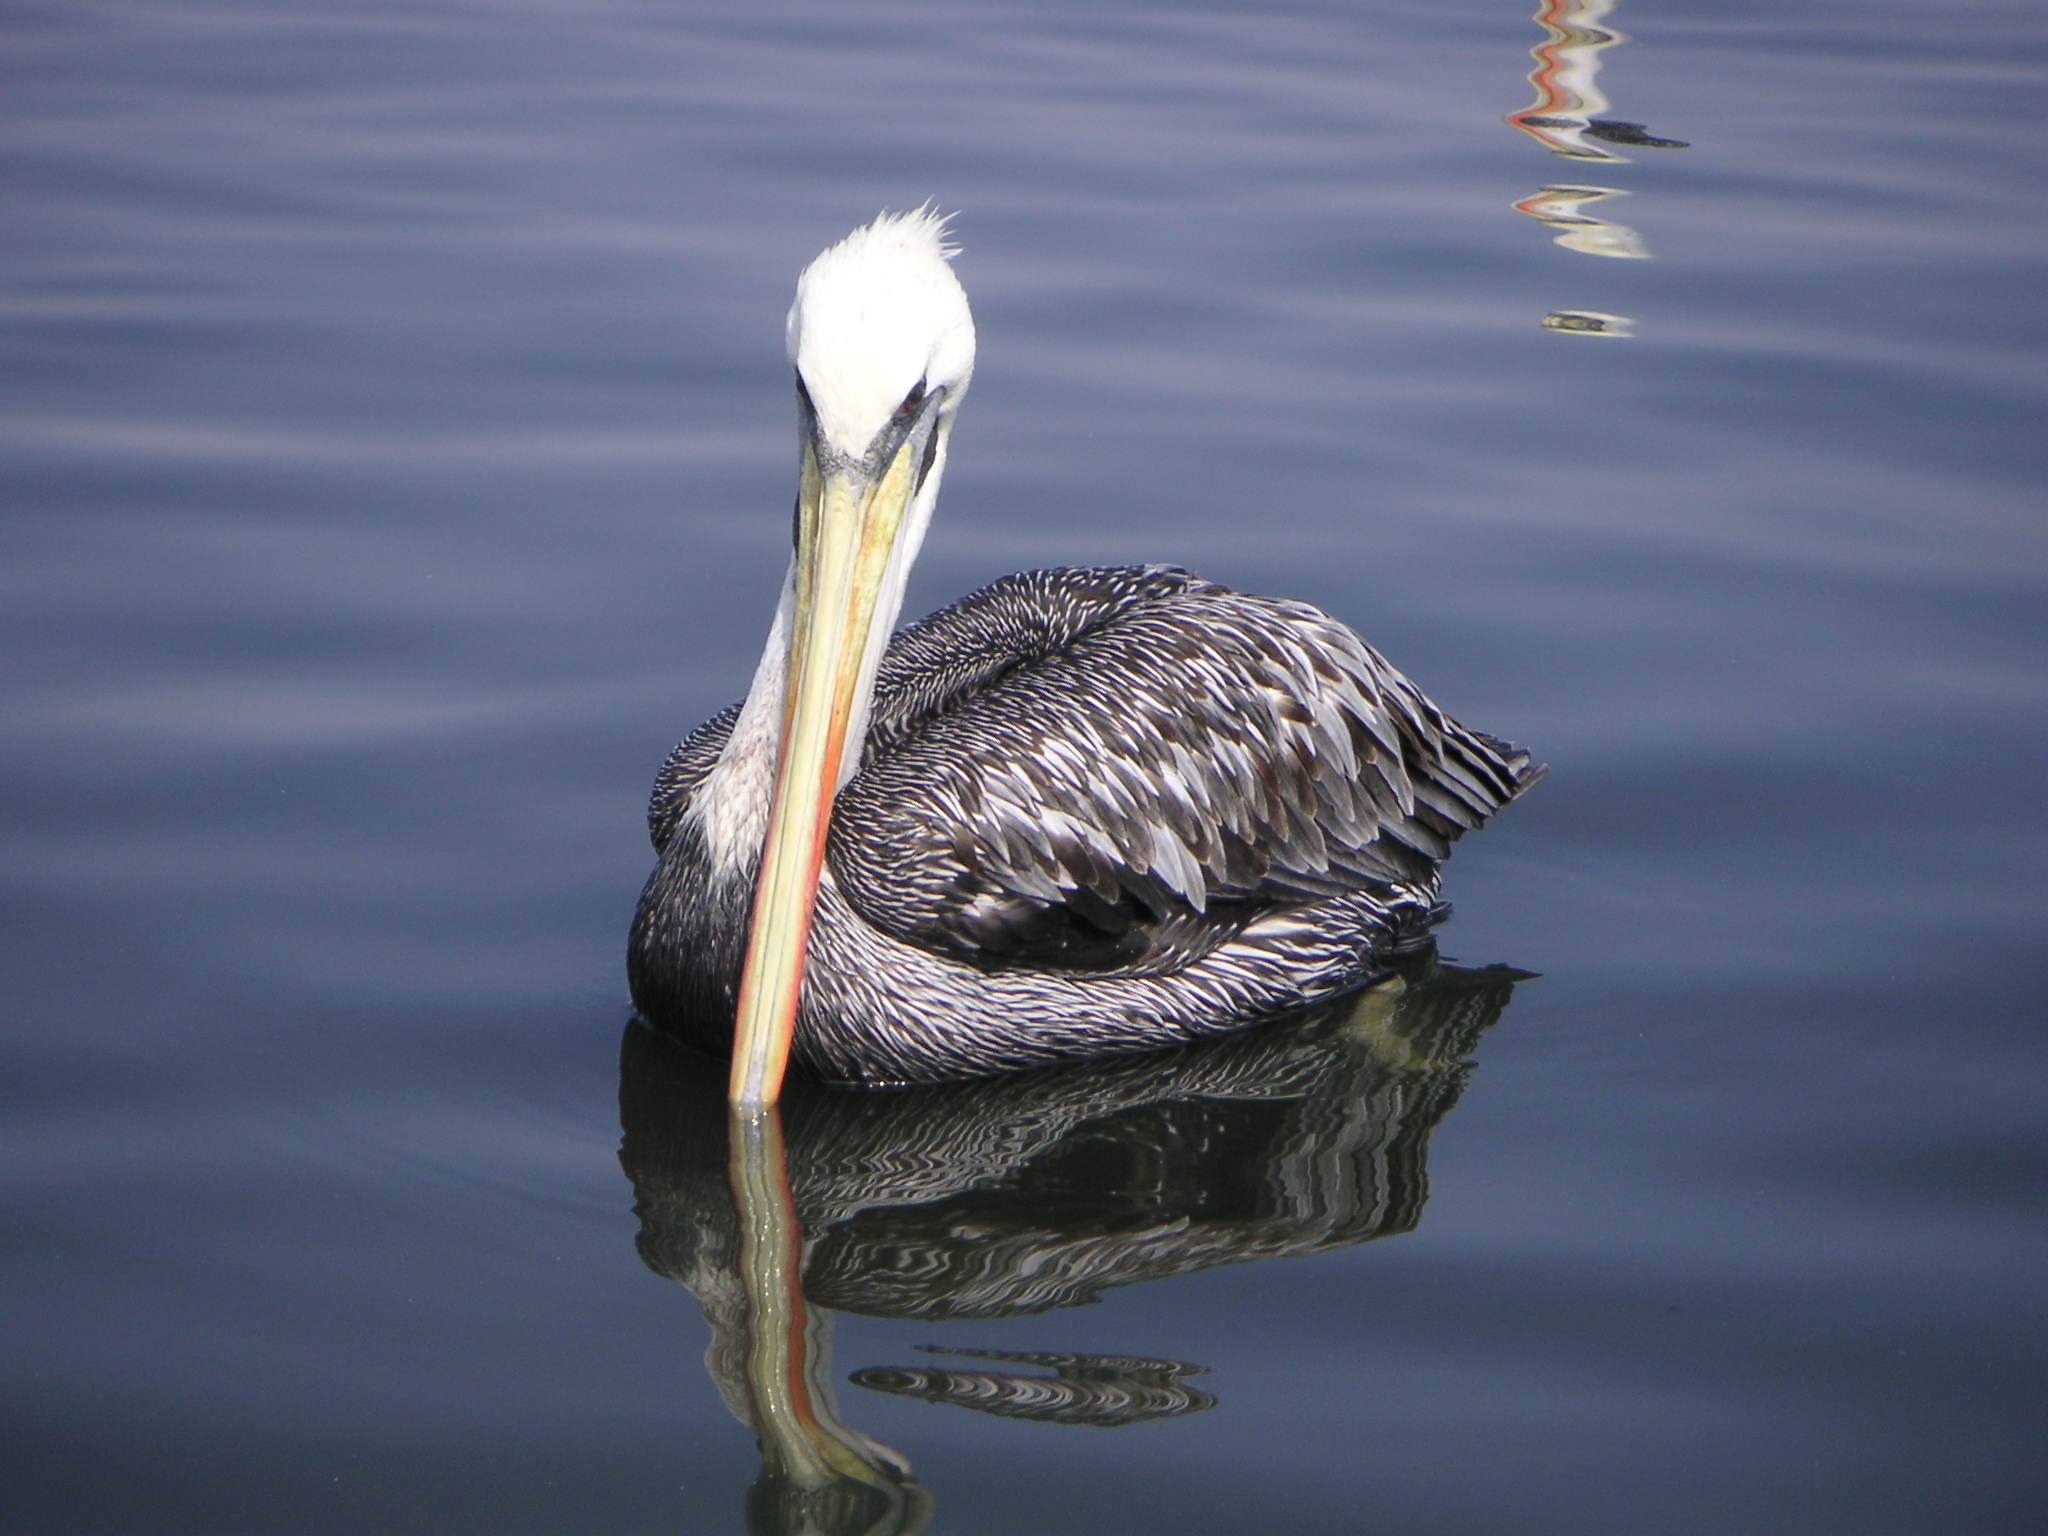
802	1440
848	519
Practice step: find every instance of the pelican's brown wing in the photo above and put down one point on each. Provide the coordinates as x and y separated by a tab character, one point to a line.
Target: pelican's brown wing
1118	769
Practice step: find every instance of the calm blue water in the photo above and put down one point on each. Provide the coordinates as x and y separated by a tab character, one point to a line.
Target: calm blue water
396	451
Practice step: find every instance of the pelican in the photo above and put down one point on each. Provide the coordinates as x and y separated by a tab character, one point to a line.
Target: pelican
1078	813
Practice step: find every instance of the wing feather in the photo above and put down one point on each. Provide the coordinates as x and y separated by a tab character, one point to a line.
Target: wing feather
1152	750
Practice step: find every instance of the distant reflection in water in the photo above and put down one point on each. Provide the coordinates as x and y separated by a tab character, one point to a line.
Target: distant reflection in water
1567	119
1016	1195
1588	322
1565	116
1559	207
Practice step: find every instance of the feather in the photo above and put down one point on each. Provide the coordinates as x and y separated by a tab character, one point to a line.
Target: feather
1156	741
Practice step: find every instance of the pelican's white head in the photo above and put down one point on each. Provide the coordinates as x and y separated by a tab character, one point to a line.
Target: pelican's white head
877	317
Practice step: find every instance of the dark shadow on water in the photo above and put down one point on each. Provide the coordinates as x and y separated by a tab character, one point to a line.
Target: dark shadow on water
1016	1195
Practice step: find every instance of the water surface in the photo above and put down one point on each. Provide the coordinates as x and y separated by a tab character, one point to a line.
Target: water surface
397	452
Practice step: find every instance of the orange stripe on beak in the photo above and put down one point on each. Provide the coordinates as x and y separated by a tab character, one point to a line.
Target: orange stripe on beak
847	526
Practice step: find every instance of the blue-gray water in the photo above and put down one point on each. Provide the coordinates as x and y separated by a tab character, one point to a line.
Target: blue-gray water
397	449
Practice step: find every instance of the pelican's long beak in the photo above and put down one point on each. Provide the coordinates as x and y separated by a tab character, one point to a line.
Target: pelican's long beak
850	518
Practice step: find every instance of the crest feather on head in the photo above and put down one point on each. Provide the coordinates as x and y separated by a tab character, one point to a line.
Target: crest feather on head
876	315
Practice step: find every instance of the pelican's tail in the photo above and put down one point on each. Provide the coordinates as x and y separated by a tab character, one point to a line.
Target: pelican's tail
1527	774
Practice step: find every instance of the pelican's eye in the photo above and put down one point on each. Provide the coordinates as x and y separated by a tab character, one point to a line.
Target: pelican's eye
911	402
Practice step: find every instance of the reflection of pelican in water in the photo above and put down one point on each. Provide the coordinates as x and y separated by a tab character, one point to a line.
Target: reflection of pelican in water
1075	814
1008	1196
817	1472
1104	1390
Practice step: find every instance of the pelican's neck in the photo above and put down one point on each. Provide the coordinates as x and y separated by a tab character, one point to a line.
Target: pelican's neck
733	803
736	796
